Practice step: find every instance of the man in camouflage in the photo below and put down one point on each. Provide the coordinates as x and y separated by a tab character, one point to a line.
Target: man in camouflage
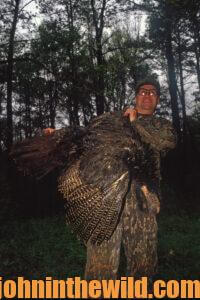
137	229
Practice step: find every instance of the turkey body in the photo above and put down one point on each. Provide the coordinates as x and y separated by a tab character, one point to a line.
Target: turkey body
99	164
112	156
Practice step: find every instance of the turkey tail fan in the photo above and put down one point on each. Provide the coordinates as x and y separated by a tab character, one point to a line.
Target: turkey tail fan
38	156
82	202
113	198
91	212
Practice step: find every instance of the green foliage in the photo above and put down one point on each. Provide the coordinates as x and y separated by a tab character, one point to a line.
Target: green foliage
126	65
178	247
37	248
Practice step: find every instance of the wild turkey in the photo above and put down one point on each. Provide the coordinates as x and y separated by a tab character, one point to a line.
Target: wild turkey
98	164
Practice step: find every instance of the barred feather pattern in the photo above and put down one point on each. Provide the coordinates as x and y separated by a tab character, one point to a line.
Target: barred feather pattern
90	211
95	187
80	198
111	211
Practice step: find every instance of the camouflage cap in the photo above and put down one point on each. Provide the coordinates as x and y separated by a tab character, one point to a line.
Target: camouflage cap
148	80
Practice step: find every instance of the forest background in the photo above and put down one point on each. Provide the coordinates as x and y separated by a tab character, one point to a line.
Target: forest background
63	62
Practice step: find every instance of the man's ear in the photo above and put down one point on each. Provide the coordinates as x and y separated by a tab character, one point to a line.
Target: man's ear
158	99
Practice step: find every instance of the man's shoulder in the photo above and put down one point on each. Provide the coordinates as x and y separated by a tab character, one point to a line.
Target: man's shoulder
156	125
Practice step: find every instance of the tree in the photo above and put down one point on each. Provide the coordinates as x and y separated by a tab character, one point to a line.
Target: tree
13	11
161	24
10	74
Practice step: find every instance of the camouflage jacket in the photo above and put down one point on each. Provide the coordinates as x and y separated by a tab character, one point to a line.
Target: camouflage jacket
157	131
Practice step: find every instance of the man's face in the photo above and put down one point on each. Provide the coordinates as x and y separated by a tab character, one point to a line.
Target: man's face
147	99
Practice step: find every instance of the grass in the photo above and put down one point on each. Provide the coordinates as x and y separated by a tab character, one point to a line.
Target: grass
179	247
36	248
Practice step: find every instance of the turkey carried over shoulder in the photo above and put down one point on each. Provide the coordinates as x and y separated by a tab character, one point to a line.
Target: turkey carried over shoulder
98	164
94	187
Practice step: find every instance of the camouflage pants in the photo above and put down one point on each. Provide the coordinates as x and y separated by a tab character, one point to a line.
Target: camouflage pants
137	231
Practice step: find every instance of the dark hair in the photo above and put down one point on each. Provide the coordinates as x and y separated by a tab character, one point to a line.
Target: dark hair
151	81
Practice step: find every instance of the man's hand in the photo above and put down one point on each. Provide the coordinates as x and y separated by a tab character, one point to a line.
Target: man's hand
48	131
131	113
152	200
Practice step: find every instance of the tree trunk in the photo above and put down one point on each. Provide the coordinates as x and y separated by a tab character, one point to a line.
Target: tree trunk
172	82
74	97
196	36
98	22
28	127
9	139
196	51
53	95
182	96
100	98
